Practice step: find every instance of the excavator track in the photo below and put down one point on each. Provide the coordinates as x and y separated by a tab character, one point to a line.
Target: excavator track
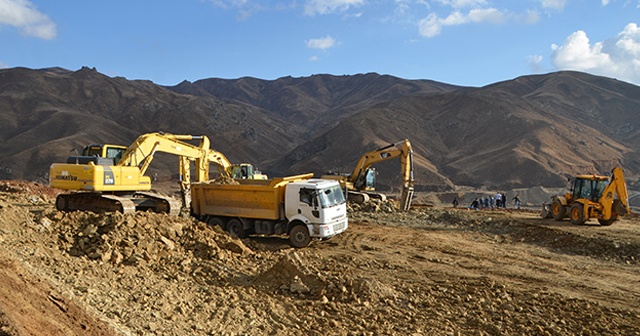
158	203
95	202
99	203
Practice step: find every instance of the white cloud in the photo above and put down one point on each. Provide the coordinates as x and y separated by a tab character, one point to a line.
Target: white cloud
489	15
313	7
432	25
618	57
23	15
535	63
605	2
530	17
314	58
321	43
554	4
463	3
3	65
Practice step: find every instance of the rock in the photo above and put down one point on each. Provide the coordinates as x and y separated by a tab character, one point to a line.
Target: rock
45	222
168	243
297	286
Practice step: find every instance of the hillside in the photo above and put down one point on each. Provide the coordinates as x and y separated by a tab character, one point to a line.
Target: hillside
530	131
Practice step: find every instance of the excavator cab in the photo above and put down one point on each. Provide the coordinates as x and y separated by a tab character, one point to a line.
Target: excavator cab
245	171
367	181
99	154
114	152
242	171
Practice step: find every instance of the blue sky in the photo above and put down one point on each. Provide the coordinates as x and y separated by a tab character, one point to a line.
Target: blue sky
462	42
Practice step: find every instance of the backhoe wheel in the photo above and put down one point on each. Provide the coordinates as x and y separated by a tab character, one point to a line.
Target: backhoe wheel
577	214
608	221
299	236
235	227
558	211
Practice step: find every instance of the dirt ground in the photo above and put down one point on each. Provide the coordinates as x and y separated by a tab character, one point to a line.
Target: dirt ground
429	271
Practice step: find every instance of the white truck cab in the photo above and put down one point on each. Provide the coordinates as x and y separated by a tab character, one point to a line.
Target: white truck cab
318	204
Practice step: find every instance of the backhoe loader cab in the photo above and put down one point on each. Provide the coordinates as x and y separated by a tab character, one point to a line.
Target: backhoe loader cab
589	187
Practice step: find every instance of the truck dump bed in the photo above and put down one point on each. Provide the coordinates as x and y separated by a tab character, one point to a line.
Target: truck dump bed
258	199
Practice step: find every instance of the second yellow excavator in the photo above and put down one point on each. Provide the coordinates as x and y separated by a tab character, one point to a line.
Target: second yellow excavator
112	177
360	184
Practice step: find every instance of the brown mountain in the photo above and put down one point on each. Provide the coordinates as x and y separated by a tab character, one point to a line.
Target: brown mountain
530	131
534	130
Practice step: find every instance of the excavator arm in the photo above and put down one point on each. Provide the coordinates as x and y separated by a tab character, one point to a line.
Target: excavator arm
612	206
140	153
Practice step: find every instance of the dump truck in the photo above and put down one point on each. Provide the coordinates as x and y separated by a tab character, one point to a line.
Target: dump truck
591	196
299	206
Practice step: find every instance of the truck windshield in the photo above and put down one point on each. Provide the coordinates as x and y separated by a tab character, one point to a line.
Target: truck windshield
331	197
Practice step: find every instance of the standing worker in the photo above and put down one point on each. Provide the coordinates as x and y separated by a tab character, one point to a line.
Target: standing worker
516	202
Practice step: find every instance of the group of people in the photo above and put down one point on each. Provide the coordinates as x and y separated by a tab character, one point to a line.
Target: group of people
499	200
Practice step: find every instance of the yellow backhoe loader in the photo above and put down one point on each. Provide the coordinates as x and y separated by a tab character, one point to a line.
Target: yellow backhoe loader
360	184
112	177
592	196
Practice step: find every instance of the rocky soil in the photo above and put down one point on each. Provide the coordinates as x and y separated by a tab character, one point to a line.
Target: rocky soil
429	271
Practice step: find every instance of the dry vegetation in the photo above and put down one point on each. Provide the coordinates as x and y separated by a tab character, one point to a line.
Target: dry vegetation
429	271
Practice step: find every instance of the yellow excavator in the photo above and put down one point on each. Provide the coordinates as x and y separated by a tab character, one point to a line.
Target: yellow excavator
592	196
112	177
360	184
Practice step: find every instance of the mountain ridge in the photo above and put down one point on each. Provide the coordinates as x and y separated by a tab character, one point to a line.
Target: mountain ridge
534	130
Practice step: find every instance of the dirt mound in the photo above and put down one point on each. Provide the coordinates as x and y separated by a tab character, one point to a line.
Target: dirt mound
135	238
374	205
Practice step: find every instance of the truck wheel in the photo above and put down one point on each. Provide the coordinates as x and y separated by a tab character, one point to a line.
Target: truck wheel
577	214
299	236
558	211
235	227
217	221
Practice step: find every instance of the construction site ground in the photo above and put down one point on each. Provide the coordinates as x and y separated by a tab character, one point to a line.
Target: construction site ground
429	271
